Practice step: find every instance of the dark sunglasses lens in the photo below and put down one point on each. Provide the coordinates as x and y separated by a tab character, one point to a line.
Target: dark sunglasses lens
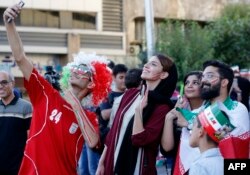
4	82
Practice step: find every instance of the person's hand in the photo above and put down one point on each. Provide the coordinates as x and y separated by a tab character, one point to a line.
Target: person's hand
171	115
100	169
144	100
176	115
182	102
181	121
11	12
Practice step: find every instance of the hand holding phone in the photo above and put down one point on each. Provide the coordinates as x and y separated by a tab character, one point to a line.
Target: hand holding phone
21	4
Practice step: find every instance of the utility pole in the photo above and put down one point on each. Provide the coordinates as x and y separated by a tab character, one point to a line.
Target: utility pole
149	18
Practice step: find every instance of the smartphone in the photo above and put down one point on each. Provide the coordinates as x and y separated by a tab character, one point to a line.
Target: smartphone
21	4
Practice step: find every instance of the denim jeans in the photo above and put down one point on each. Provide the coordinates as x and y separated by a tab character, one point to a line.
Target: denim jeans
88	162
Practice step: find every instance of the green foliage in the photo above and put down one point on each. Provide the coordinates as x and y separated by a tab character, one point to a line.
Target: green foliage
236	11
143	56
226	39
187	43
232	35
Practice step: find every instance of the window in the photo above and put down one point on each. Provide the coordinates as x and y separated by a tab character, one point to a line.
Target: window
140	28
112	15
84	21
39	18
55	19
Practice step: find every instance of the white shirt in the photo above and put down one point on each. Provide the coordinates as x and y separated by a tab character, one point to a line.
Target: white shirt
209	163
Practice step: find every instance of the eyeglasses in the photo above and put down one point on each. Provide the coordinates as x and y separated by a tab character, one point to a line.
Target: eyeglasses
80	76
81	71
4	83
209	76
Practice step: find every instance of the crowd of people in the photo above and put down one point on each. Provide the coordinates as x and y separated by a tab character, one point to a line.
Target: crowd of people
104	119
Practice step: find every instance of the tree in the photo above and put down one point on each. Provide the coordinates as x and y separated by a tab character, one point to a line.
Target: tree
232	35
187	43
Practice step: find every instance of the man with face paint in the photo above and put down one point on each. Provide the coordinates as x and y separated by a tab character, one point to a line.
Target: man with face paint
60	124
216	81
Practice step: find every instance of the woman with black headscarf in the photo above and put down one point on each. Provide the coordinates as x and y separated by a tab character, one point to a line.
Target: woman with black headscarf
133	140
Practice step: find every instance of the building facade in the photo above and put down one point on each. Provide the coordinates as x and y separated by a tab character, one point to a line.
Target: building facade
53	30
202	11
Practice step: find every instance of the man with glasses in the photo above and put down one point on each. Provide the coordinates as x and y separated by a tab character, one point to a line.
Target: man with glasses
217	81
15	117
60	124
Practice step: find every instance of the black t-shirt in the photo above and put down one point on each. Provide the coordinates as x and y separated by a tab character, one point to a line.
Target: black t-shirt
14	123
244	86
103	124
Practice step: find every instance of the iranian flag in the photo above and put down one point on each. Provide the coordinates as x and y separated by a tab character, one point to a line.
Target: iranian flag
233	145
236	145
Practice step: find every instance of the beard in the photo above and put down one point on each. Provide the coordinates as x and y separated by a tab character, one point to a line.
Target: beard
210	92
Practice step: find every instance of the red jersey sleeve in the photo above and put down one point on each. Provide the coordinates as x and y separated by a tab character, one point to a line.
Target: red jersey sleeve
36	86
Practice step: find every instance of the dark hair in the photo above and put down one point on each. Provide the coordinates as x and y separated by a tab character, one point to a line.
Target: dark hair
111	64
133	78
119	68
198	74
224	70
159	96
167	86
52	77
164	90
165	61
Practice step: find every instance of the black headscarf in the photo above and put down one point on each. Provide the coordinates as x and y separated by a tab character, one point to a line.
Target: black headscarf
162	93
126	160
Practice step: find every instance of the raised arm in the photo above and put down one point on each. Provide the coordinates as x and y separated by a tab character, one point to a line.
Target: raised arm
168	135
167	139
138	123
15	42
101	168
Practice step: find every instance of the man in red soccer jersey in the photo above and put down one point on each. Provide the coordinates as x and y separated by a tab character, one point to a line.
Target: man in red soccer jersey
59	124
